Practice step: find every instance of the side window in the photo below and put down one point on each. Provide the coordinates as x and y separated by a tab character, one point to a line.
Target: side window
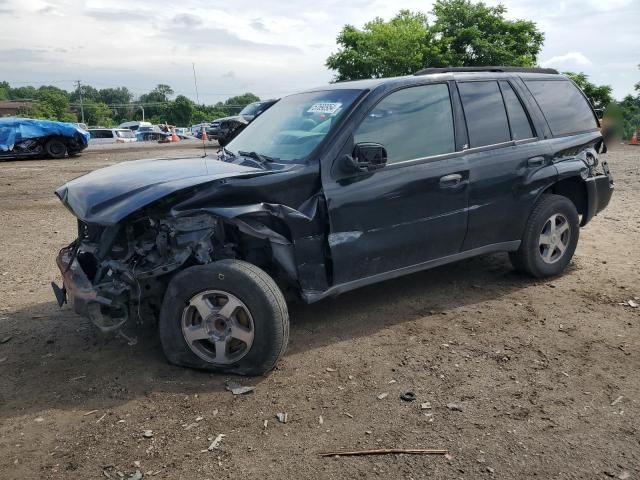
411	123
564	107
520	126
100	134
485	114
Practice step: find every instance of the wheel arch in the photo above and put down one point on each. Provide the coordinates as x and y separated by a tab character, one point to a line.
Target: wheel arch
575	189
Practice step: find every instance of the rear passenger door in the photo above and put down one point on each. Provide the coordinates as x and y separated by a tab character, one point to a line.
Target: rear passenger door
503	154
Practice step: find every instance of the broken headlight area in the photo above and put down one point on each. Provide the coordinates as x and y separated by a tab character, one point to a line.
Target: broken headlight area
117	273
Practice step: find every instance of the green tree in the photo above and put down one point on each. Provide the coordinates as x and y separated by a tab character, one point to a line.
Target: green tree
23	93
53	104
159	97
400	46
233	105
599	95
474	34
180	111
4	90
89	94
98	113
115	96
462	33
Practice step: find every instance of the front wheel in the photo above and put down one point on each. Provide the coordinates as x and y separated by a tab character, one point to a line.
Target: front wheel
228	316
550	238
55	148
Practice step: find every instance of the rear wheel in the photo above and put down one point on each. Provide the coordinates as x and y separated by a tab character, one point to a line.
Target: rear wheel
550	238
228	316
55	148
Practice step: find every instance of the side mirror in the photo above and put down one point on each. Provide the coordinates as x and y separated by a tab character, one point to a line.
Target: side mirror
366	157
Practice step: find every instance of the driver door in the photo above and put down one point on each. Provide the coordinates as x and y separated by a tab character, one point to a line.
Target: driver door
412	209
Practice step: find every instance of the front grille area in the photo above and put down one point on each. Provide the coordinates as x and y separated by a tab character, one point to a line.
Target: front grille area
88	232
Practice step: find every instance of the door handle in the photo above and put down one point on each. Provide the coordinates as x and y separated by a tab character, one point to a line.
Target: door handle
450	181
536	162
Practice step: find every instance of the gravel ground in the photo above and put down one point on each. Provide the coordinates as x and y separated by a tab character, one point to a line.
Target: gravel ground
544	374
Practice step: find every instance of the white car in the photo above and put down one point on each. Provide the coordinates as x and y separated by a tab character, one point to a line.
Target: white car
111	135
133	126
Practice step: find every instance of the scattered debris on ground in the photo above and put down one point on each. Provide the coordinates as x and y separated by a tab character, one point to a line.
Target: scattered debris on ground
385	451
238	389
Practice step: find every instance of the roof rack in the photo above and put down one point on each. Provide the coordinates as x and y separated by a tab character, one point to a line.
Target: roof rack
427	71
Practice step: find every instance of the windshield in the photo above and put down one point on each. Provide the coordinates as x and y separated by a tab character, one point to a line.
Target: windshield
294	126
125	133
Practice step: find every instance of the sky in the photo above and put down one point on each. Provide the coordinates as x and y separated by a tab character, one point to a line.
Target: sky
271	48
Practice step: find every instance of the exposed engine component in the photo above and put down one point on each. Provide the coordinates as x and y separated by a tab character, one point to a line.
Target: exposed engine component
124	265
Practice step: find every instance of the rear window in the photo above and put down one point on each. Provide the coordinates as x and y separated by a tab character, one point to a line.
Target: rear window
563	105
485	114
101	134
125	133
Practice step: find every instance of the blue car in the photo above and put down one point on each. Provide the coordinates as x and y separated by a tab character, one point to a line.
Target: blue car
27	138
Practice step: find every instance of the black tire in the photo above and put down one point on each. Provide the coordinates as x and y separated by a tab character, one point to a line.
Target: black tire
530	257
250	285
55	148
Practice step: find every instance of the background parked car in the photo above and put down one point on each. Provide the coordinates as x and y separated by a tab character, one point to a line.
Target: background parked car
28	138
254	109
227	128
111	135
151	136
136	125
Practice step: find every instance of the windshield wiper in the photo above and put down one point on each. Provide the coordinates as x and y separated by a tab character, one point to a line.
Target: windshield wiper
257	156
228	152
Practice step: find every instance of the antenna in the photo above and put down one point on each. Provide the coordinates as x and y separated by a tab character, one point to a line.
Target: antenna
195	82
204	130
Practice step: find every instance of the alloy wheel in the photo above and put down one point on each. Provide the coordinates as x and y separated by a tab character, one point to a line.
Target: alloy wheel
218	327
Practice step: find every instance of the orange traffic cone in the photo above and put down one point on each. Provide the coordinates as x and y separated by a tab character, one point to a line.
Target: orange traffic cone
634	139
205	137
174	137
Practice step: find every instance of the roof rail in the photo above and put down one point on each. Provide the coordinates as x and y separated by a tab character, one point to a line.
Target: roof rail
427	71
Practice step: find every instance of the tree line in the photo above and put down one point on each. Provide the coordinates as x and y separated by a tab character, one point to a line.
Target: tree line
460	33
111	106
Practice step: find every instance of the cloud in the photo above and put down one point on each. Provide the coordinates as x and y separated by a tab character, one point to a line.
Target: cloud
186	20
220	38
576	59
24	55
258	25
118	15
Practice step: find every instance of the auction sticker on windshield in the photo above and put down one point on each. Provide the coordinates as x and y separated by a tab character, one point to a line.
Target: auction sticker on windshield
325	107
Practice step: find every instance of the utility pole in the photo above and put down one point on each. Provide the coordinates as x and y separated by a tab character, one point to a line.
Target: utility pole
81	105
195	82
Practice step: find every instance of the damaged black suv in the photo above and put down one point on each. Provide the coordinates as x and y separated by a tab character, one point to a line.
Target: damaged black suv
330	190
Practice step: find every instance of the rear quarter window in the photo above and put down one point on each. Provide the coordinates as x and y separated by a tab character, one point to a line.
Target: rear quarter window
563	105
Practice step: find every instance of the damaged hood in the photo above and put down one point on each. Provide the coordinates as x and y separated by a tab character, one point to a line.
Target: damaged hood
108	195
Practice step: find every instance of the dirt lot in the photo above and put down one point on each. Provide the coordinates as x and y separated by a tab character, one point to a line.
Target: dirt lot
546	372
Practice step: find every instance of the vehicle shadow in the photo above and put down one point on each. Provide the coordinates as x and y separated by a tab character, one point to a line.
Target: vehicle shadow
57	360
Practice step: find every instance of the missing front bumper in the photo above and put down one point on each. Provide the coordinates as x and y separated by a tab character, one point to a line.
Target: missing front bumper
85	299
